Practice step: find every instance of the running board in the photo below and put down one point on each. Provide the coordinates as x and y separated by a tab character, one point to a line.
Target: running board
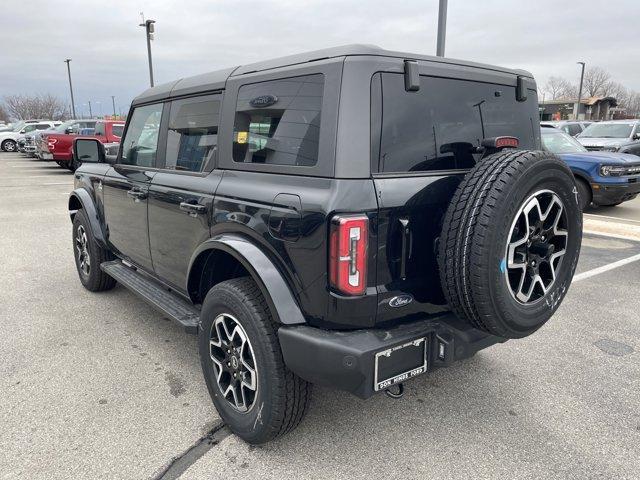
153	293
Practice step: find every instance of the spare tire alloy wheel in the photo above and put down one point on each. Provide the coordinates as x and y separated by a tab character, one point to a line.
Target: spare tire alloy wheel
233	362
536	247
510	242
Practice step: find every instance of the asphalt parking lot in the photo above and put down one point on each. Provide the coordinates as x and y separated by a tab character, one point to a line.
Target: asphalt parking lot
100	386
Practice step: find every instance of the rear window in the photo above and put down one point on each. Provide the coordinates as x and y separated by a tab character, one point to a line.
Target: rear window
439	126
278	122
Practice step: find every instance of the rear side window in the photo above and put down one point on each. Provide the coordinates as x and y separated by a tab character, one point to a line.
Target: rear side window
278	122
193	133
439	126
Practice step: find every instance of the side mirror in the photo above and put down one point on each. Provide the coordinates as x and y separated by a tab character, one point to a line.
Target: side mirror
636	136
68	130
88	150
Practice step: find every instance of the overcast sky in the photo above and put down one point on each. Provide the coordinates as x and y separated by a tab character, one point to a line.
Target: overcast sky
195	36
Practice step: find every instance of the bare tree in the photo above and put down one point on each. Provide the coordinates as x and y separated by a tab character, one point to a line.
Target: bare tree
568	91
554	86
4	116
595	79
25	107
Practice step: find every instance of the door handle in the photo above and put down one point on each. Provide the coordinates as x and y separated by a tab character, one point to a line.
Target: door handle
192	207
406	246
137	194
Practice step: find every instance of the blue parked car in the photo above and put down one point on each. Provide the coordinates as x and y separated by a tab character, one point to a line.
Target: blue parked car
603	178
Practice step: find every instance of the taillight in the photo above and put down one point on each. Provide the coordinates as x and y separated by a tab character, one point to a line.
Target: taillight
51	143
348	241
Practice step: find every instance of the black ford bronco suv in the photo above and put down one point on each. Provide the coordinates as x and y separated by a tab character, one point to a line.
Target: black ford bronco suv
350	217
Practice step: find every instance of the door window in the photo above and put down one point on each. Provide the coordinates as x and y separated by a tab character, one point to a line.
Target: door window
278	122
140	144
192	137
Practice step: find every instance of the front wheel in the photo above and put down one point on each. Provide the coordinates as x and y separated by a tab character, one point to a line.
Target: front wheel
256	395
9	146
89	255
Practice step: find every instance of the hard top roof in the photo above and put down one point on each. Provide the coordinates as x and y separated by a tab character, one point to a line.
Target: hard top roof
217	80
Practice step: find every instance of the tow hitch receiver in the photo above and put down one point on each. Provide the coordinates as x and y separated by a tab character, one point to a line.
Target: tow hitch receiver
400	363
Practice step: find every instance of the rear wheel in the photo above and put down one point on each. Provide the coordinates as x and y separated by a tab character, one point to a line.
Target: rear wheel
9	146
510	242
252	389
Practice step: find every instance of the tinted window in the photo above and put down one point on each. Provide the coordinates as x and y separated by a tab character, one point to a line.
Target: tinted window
42	126
439	126
140	144
278	122
193	133
117	130
573	129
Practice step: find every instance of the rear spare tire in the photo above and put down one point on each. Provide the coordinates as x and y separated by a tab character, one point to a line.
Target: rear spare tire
510	242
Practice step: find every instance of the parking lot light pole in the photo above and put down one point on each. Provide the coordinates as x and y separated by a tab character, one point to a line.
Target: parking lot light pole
73	104
442	27
90	113
577	109
113	103
150	29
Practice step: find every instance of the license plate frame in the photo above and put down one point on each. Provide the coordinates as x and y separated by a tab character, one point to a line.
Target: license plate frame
383	384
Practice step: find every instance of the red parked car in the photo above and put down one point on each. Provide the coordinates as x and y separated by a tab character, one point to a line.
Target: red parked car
60	144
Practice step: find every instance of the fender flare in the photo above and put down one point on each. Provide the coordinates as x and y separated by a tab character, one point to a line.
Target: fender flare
277	293
83	196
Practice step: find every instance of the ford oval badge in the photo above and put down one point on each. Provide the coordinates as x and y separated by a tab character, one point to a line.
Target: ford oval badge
263	101
400	301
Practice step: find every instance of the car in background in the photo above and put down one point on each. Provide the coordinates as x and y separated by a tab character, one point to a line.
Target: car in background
612	136
572	128
59	145
9	140
70	127
602	178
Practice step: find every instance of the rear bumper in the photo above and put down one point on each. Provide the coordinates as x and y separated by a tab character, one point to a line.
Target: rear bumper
346	359
609	193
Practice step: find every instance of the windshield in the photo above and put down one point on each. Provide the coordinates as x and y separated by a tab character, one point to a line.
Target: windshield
607	130
556	141
18	126
61	128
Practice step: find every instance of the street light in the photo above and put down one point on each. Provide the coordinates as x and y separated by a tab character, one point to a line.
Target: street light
442	27
73	105
113	102
577	108
149	29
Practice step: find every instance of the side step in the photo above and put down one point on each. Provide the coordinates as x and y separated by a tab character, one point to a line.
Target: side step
168	303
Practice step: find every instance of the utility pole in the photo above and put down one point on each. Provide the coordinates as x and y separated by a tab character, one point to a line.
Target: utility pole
73	104
576	110
113	102
149	29
90	113
442	27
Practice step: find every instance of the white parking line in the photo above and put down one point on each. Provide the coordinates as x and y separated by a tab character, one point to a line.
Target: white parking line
595	217
605	268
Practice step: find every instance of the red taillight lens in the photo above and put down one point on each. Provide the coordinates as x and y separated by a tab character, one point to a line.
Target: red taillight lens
51	143
348	240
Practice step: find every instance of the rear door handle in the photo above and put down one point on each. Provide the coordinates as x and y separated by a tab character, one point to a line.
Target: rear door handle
192	207
137	194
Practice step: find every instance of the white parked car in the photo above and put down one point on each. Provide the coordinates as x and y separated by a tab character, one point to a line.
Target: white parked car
9	140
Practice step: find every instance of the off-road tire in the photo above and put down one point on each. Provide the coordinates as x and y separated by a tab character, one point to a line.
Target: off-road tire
96	280
9	146
476	230
584	193
282	397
